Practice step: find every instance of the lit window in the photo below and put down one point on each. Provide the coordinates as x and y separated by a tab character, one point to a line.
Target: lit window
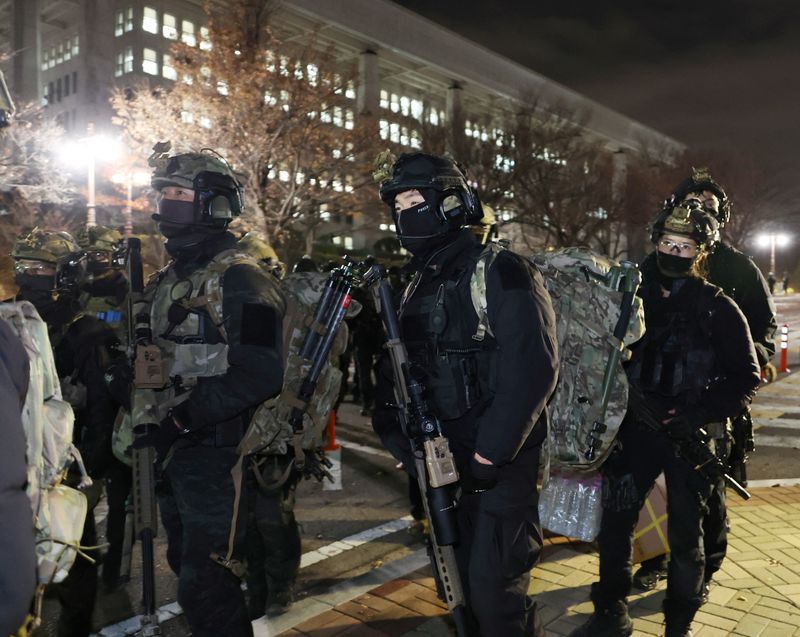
283	175
350	90
222	88
187	33
404	136
119	24
405	104
205	39
324	215
433	117
67	52
384	226
52	57
349	119
119	68
150	20
269	99
324	114
338	119
384	129
150	62
394	132
169	27
312	73
205	122
60	54
348	243
337	241
129	19
128	60
415	141
76	45
167	70
384	98
187	117
394	103
416	109
45	59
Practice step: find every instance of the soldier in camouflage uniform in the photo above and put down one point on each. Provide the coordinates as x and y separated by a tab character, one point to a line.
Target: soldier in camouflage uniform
107	287
50	272
216	318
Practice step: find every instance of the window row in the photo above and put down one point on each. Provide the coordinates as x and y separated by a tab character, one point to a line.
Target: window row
123	22
125	63
60	88
399	134
410	107
168	27
61	52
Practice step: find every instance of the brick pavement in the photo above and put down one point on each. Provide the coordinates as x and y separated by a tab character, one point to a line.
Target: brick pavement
756	594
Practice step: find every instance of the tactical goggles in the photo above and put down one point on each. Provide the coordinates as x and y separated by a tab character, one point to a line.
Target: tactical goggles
669	245
34	268
99	257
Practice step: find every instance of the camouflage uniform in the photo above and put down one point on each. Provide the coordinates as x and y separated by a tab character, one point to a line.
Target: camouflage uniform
83	347
221	358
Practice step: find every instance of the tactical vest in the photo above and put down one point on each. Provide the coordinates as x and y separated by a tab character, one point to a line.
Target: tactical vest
676	358
195	347
440	332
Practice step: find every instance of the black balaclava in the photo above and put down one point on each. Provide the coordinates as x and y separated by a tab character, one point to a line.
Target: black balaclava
108	283
54	308
188	243
420	230
672	267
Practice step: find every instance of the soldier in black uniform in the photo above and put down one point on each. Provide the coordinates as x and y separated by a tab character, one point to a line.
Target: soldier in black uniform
490	394
695	366
744	283
216	317
50	273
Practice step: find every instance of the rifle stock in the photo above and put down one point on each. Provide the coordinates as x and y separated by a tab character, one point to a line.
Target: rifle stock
435	470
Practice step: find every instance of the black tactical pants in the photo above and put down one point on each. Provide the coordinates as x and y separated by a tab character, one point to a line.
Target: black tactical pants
628	476
119	478
365	352
196	504
273	540
501	540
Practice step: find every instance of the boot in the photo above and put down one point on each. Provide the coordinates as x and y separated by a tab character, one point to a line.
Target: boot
650	573
678	617
610	618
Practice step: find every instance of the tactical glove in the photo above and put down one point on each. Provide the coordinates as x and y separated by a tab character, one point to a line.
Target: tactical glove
161	438
316	465
479	477
685	425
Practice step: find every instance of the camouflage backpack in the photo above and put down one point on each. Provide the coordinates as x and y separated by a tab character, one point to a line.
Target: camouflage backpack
591	398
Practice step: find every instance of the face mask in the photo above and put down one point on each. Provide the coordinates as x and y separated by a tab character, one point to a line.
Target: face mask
173	211
109	283
417	227
674	266
185	243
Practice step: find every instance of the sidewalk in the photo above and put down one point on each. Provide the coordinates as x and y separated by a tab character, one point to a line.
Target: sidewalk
757	593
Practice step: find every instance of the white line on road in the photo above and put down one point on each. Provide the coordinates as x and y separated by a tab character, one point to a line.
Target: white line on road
788	442
355	446
784	423
168	611
775	482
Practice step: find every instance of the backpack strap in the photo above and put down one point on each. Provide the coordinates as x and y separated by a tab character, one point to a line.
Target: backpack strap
477	289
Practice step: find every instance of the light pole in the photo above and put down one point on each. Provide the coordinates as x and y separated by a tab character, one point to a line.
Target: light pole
773	240
131	177
90	149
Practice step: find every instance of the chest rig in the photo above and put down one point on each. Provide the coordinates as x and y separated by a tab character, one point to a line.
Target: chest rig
186	322
448	352
676	358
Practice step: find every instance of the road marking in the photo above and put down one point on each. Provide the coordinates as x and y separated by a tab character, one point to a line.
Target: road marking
168	611
355	446
775	482
783	423
789	442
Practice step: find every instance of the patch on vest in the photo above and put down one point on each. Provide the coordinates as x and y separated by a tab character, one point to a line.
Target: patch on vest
259	325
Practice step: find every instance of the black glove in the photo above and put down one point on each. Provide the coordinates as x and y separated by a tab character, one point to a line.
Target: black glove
685	425
479	477
316	465
161	438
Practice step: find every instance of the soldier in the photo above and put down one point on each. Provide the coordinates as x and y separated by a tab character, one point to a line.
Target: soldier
695	366
489	392
216	318
107	287
50	271
743	282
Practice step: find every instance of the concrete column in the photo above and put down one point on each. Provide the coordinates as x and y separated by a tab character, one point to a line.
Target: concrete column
455	118
25	82
368	95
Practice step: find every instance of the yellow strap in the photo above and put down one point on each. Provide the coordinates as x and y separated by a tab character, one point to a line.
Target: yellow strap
228	561
655	524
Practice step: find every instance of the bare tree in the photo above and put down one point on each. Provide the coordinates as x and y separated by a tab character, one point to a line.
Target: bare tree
281	110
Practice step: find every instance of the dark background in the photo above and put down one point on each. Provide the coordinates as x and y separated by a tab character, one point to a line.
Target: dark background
718	75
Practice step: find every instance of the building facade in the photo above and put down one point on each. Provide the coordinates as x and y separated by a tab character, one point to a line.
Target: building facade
412	73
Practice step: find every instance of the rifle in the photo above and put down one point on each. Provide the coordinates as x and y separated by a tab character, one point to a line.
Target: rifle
143	491
743	445
694	450
436	471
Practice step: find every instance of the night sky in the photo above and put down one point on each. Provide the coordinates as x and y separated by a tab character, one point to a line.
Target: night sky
715	74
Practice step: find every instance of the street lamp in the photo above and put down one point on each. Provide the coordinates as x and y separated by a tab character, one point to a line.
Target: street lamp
90	149
772	240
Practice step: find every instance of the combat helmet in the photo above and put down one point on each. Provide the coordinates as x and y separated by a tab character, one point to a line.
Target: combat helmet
103	246
439	179
218	193
57	248
699	181
258	248
688	219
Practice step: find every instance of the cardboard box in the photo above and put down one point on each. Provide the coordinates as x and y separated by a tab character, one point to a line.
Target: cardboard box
650	535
